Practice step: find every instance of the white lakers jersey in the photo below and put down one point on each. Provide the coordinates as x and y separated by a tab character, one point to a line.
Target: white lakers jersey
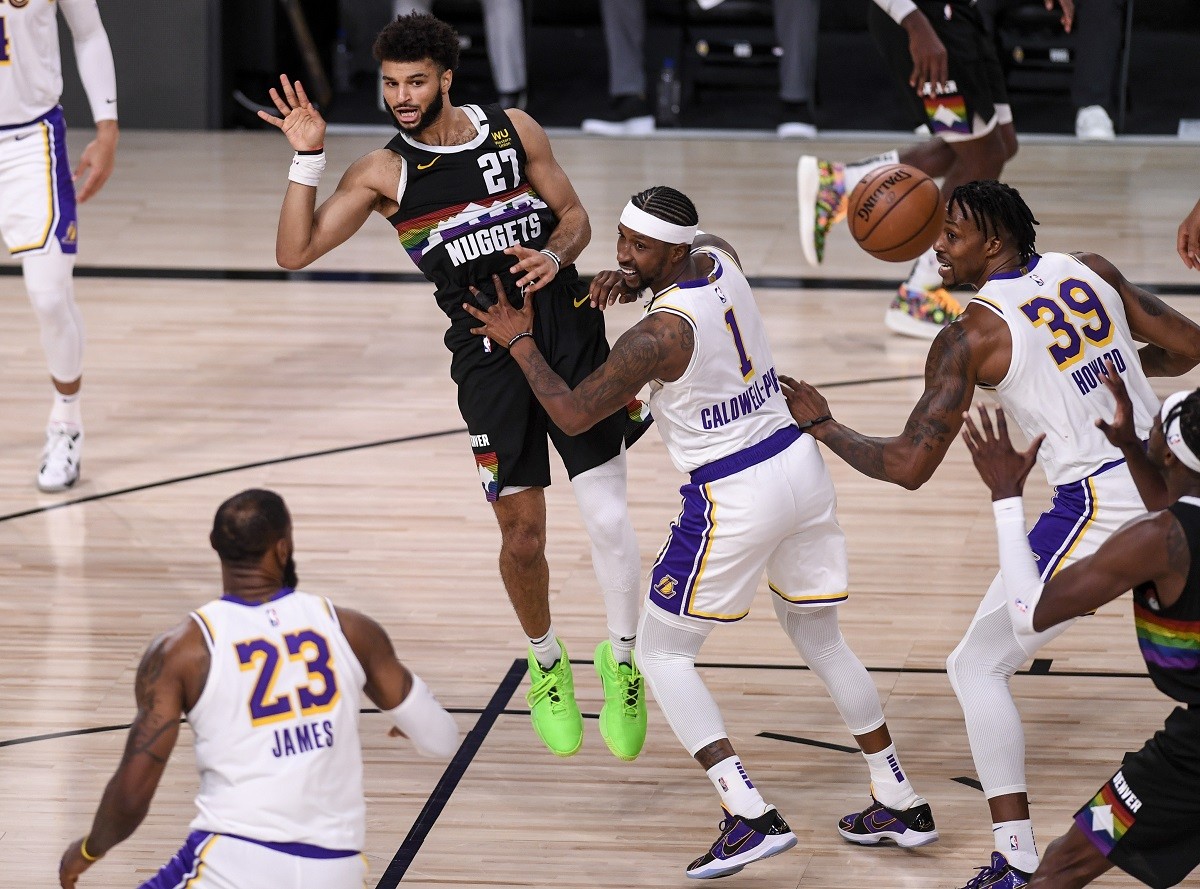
277	724
30	67
1065	320
728	398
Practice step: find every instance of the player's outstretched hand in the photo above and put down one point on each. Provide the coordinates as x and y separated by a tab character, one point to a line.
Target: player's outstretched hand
1187	241
931	64
535	268
301	122
804	401
608	288
72	865
502	323
1001	466
1120	432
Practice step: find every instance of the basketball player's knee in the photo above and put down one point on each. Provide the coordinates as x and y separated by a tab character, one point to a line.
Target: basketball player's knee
50	292
522	543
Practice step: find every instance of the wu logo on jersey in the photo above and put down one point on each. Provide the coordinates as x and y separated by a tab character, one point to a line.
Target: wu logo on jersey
501	138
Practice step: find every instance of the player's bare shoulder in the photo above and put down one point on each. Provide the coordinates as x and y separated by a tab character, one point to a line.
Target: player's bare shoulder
381	171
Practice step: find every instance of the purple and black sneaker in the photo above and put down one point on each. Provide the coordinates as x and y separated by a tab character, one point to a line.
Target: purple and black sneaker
998	875
742	841
909	828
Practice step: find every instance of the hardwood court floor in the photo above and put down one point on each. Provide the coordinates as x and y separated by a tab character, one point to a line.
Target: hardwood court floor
187	380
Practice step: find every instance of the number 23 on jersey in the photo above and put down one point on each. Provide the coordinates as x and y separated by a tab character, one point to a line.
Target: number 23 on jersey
317	696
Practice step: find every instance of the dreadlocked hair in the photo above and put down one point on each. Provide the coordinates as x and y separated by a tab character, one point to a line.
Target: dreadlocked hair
248	524
1188	412
667	204
417	36
998	210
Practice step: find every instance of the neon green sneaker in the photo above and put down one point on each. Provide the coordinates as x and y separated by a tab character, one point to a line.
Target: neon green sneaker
623	716
552	708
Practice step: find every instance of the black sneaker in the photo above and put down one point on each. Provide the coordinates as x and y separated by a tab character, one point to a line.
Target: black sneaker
637	420
909	828
742	841
796	121
626	116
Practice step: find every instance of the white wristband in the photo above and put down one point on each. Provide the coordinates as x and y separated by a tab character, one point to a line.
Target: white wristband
425	722
307	167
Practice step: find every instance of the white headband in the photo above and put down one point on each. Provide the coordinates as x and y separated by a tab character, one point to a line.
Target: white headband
660	229
1174	437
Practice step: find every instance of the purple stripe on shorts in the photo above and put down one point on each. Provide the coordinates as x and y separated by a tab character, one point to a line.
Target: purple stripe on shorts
66	229
300	850
775	443
183	867
674	574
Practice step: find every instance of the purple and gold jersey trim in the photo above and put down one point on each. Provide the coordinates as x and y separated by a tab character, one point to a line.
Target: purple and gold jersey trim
822	599
187	864
1059	531
679	569
423	233
1105	819
1171	644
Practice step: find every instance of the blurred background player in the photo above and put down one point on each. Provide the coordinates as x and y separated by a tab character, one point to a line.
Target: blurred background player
1146	818
1037	333
473	192
37	193
702	348
271	680
944	59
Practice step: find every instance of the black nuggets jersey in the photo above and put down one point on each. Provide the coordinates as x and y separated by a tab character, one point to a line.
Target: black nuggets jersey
462	205
1170	637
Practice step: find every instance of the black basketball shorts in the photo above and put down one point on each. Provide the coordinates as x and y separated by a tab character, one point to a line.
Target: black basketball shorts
1146	818
507	425
968	109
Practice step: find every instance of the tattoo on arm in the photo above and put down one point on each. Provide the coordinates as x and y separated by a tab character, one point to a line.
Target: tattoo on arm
1179	555
1148	303
148	726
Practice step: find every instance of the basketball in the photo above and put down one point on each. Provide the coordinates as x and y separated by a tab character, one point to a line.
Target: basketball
895	212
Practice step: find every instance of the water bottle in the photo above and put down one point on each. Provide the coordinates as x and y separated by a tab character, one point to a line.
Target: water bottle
668	95
343	63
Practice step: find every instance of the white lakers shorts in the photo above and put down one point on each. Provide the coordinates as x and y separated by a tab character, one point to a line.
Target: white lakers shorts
770	507
220	861
37	196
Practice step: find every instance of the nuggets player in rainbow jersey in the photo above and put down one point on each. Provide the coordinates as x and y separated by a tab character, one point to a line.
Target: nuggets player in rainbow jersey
1146	818
271	680
1038	333
759	500
476	192
37	192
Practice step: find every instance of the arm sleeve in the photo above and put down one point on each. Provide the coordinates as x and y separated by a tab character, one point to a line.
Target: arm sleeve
896	9
1022	585
425	722
94	55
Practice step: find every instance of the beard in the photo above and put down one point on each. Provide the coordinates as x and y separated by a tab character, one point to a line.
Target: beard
428	116
290	579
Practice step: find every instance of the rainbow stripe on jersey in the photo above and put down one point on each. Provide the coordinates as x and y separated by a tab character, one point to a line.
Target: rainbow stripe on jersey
420	235
1106	818
1166	643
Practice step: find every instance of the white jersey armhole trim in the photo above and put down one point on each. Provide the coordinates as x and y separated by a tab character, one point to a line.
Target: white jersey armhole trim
205	628
403	185
724	254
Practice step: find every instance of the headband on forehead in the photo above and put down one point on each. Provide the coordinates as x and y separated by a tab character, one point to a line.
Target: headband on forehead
1174	436
659	229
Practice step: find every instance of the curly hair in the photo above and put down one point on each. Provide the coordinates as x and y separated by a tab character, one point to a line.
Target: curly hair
998	209
667	204
418	36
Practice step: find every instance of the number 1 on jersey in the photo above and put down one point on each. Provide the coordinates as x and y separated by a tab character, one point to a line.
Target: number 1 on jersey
747	368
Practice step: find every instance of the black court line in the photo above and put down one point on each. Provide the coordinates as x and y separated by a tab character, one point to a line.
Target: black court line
969	782
449	781
811	742
344	449
764	282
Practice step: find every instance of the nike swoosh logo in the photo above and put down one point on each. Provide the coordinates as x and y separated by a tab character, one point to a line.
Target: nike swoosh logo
430	164
733	849
581	301
111	101
22	136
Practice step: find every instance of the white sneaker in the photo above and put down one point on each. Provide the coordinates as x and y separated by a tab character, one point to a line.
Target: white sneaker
1093	123
61	458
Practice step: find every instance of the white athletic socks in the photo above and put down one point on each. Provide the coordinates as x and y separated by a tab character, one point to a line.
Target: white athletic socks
889	784
66	411
1014	840
622	647
738	795
855	172
546	649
